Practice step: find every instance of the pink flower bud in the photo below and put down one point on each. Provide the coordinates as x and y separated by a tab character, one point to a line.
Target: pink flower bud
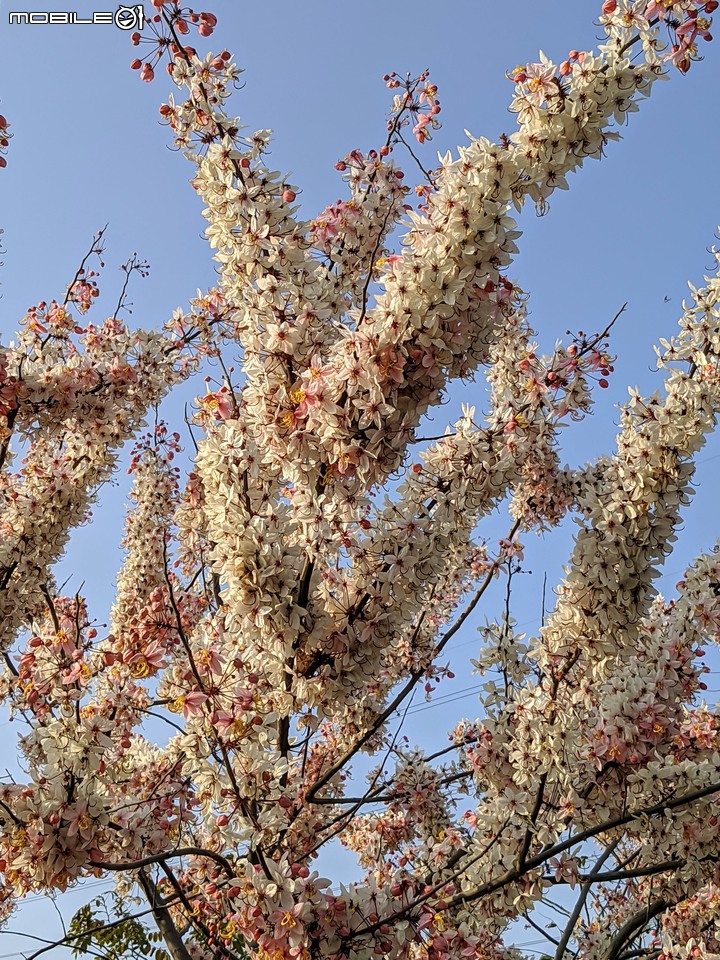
288	196
610	6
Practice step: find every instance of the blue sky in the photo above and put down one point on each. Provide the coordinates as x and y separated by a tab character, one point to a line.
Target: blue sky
89	150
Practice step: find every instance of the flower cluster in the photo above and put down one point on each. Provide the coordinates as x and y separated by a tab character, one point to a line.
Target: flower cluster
419	101
685	22
5	137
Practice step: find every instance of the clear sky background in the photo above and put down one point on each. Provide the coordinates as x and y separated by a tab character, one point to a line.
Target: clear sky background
88	150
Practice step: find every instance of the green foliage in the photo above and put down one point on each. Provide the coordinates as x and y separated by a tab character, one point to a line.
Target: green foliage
110	931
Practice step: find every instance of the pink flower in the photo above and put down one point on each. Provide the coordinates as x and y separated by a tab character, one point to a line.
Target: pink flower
659	8
541	82
220	403
693	28
192	704
79	821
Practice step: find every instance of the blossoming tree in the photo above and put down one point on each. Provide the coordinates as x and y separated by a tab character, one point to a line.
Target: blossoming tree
280	603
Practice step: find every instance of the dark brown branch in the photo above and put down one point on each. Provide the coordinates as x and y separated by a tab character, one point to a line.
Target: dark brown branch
410	685
584	892
161	857
633	925
194	920
551	851
162	917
